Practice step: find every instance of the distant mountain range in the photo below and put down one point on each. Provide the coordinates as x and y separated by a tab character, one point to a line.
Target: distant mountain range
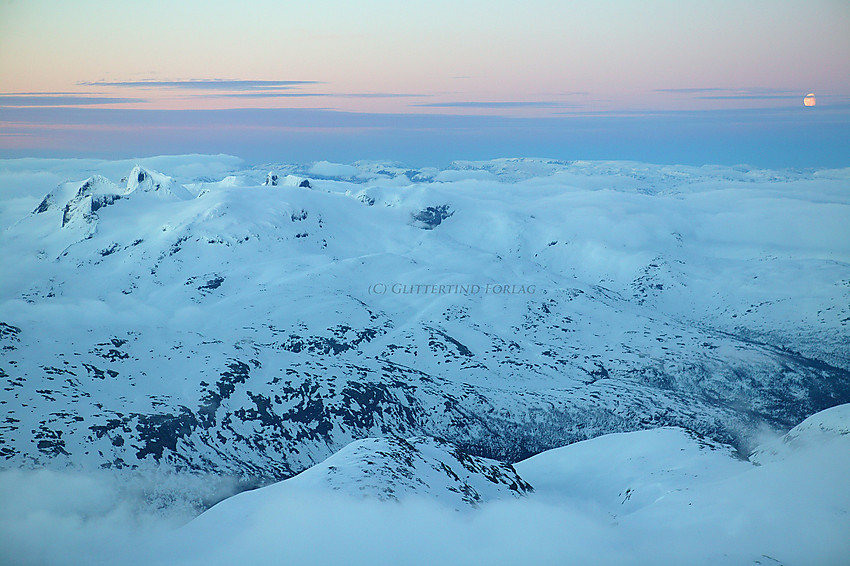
255	321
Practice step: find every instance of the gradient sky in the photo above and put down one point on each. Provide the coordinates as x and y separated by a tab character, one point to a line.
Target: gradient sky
427	82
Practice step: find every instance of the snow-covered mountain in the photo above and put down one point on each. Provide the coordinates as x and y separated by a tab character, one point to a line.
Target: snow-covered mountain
660	496
254	321
394	468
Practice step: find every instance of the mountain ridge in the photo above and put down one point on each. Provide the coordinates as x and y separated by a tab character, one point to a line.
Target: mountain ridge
241	329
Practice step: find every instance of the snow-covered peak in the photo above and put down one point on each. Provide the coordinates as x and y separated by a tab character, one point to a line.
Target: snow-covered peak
275	180
66	192
143	180
819	430
97	185
830	422
77	203
395	468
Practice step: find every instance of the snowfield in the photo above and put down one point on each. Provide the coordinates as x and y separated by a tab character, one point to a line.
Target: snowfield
511	361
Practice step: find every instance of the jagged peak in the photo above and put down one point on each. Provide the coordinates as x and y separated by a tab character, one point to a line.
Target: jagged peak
62	195
273	179
97	185
95	193
143	180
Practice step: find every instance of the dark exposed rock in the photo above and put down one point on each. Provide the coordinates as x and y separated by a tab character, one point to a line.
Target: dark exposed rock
99	201
432	216
44	206
343	338
49	442
159	432
211	284
86	206
9	332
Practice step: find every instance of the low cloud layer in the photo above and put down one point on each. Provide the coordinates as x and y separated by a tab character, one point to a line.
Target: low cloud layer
72	519
93	517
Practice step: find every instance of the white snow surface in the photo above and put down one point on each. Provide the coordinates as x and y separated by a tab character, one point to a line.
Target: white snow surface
139	293
829	427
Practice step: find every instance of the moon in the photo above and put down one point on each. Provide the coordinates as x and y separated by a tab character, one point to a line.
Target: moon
810	99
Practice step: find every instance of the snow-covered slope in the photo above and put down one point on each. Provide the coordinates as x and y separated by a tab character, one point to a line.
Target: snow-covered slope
212	319
619	474
827	429
661	497
392	469
395	468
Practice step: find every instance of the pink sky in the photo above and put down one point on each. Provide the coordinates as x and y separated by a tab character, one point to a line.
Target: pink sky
540	59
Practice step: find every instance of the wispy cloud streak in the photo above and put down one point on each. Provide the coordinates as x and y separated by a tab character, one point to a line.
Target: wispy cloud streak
383	95
689	90
204	84
264	95
508	104
750	96
19	100
276	94
717	93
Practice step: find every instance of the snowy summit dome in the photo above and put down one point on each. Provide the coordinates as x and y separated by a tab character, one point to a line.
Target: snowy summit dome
142	180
